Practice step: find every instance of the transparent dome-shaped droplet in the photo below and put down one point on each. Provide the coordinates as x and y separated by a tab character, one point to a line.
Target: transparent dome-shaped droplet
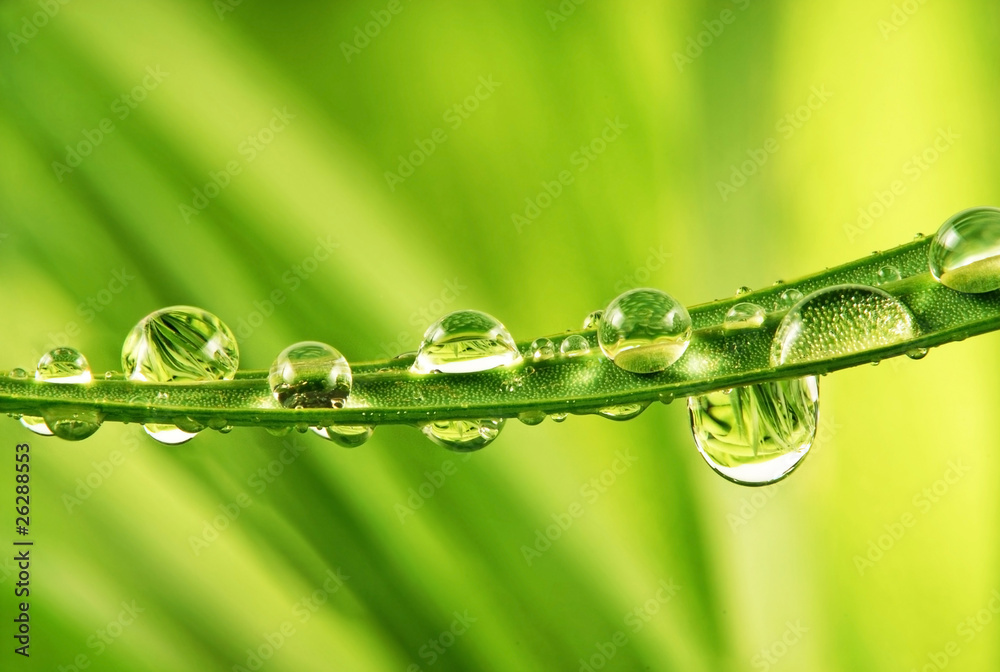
623	411
789	298
574	345
170	435
36	424
278	431
63	365
757	434
965	253
542	349
310	374
744	316
644	331
917	353
838	321
531	418
743	290
463	436
558	417
18	374
592	319
348	436
887	274
72	423
179	344
463	342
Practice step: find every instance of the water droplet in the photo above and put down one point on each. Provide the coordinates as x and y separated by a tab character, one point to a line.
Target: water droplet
838	321
917	353
463	436
558	417
789	298
644	331
592	320
218	424
623	411
887	274
531	418
666	398
744	316
348	436
278	431
36	424
743	290
179	344
108	375
226	429
965	253
18	374
757	434
542	349
463	342
574	345
63	365
310	375
72	423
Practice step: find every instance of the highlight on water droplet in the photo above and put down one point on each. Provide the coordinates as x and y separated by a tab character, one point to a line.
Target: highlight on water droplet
574	345
789	298
757	434
348	436
744	316
887	274
644	330
463	436
310	374
592	319
179	344
623	411
542	349
465	341
841	320
965	253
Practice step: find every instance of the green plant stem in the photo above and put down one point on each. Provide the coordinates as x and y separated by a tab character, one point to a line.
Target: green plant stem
385	392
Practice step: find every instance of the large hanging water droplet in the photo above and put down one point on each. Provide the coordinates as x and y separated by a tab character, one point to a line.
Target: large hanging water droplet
592	320
36	424
463	436
838	321
757	434
744	316
965	253
463	342
644	331
348	436
179	344
72	423
574	345
310	374
623	411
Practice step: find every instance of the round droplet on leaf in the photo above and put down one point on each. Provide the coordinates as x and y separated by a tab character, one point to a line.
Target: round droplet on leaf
965	253
463	436
63	365
574	345
465	341
592	319
789	298
757	434
170	435
348	436
310	374
542	349
623	411
887	274
644	331
36	424
744	316
531	418
72	423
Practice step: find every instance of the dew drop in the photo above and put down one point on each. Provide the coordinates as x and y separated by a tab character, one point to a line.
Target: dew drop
574	345
18	374
644	331
348	436
917	353
666	398
63	365
463	436
965	253
463	342
887	274
72	423
838	321
789	298
531	418
36	424
542	349
310	374
743	290
558	417
744	316
623	411
170	435
756	435
592	320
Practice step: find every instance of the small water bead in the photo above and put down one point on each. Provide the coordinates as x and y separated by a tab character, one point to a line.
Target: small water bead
310	374
18	374
278	431
789	298
743	290
623	411
463	436
592	320
348	436
36	424
170	435
756	435
531	418
644	331
917	353
464	342
542	349
744	316
558	417
63	365
838	321
965	253
887	274
72	423
574	345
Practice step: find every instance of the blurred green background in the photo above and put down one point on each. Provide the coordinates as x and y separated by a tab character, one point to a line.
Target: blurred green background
116	119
